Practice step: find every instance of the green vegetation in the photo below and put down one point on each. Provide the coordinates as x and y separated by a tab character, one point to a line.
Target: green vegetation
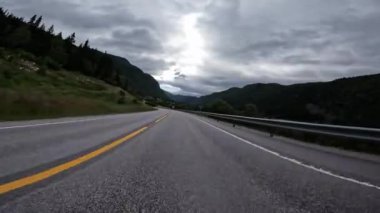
29	90
347	101
219	106
55	52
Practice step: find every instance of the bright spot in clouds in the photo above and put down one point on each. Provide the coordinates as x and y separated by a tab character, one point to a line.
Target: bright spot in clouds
191	50
196	47
193	53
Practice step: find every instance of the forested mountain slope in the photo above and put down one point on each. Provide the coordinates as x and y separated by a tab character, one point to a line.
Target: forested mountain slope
351	101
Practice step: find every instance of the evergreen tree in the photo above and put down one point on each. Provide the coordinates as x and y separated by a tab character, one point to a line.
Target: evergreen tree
2	12
38	22
19	37
58	51
250	110
105	68
43	27
220	106
51	30
86	44
32	20
71	38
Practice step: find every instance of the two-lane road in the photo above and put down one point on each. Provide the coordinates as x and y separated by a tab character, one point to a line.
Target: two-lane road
178	163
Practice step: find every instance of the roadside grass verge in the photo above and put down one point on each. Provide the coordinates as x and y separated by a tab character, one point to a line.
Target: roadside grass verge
29	91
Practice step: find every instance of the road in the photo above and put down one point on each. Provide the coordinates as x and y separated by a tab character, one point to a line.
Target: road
175	163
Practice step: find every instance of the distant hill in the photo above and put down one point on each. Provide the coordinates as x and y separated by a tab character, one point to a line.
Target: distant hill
349	101
182	98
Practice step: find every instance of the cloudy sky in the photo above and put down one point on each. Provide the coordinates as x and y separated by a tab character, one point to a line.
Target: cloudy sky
196	47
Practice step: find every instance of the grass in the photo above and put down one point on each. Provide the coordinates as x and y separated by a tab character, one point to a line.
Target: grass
29	91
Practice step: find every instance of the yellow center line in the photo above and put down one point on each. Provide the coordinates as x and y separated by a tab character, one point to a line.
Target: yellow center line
160	119
16	184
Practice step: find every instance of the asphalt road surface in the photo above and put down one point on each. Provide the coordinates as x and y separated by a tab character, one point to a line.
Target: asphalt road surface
145	162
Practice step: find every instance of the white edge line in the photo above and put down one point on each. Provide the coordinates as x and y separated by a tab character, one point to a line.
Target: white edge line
57	123
320	170
51	123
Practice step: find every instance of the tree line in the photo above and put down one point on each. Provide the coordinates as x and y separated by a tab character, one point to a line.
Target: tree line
55	51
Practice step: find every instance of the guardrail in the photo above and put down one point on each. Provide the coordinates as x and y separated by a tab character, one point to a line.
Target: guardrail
352	132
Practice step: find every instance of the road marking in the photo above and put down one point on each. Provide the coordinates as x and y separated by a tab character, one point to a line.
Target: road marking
297	162
16	184
53	123
56	123
160	119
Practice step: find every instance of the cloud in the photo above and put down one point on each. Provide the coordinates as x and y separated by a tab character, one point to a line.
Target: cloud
136	40
198	47
79	14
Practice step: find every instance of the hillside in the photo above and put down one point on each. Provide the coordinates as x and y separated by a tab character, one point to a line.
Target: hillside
30	91
349	101
182	98
56	52
136	81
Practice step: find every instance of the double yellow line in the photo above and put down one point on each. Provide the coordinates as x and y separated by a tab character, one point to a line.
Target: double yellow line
40	176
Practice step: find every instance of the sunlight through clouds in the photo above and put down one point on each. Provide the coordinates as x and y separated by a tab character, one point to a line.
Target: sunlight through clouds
191	49
225	43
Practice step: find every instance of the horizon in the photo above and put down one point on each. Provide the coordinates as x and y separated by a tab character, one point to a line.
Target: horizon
309	82
197	48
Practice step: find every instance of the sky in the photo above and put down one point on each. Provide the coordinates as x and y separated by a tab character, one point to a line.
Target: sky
196	47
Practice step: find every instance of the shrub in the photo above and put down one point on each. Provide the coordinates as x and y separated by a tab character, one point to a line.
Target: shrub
7	74
42	70
52	64
2	53
250	110
49	63
135	101
121	100
122	93
26	55
220	106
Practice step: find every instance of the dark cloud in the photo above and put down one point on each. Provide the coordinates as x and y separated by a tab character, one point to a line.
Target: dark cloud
244	41
77	15
179	75
151	65
137	40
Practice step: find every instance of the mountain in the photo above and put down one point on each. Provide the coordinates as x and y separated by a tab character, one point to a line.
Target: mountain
136	81
347	101
182	98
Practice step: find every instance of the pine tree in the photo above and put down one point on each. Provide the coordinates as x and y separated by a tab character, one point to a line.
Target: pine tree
38	22
86	44
51	30
60	35
2	12
21	36
32	20
57	50
71	38
43	27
